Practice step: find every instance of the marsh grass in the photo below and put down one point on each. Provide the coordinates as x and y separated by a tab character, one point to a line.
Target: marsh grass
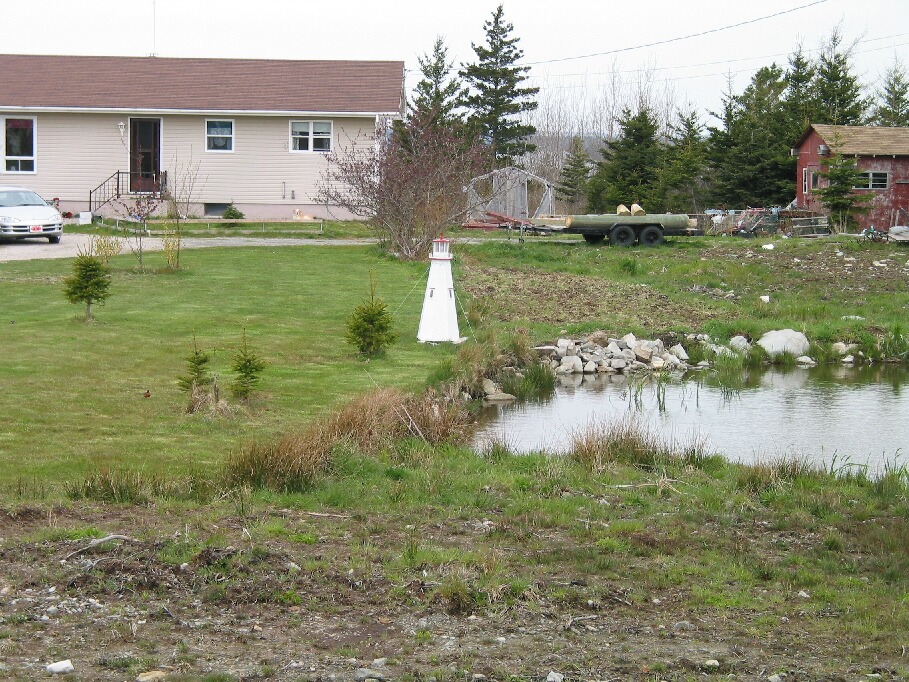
628	440
535	382
895	343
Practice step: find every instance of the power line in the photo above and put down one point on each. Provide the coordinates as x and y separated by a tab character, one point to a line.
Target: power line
671	79
722	61
675	40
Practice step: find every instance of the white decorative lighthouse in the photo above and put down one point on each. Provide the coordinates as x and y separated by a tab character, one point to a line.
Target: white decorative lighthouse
439	321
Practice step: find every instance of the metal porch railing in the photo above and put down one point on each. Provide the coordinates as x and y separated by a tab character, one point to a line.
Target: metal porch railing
125	182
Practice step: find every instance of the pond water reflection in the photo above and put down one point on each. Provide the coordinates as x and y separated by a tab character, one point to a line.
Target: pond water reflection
829	414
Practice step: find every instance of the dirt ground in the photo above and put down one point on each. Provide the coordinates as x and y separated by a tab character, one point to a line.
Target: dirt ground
560	298
252	607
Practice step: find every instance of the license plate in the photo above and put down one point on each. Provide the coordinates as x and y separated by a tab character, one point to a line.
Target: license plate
36	228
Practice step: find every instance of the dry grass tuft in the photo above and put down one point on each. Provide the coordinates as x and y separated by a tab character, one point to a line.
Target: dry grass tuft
369	424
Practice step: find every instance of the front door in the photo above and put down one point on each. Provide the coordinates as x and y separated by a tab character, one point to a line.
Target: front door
144	154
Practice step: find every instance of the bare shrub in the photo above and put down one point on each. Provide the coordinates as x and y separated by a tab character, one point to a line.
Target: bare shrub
104	247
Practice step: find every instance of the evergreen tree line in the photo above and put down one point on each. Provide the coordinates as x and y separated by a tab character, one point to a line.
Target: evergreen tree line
683	166
745	160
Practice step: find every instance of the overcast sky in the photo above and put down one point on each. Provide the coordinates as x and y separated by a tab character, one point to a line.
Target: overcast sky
556	35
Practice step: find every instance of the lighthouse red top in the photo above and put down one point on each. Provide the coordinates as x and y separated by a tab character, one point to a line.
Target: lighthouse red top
440	249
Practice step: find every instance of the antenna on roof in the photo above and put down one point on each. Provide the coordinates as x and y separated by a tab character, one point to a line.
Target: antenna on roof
153	53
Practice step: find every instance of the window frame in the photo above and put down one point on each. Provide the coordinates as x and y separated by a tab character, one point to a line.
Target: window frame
33	158
311	136
232	137
874	184
805	181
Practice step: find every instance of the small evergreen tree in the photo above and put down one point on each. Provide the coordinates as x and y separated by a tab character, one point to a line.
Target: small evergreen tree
89	283
572	185
249	367
838	196
496	98
197	375
893	98
233	213
369	328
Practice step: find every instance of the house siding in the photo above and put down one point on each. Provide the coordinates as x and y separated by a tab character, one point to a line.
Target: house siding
77	151
260	169
883	205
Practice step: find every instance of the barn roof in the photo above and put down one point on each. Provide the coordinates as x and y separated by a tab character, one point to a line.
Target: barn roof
862	140
155	83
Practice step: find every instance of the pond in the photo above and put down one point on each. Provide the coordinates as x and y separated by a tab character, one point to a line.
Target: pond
830	415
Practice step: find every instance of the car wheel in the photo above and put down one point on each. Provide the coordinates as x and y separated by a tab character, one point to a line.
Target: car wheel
54	240
651	236
594	238
621	235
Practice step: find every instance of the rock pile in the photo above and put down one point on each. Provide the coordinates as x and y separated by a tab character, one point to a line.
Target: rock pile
600	353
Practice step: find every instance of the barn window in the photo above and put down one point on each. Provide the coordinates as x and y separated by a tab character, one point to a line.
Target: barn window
804	181
310	136
872	180
219	136
19	148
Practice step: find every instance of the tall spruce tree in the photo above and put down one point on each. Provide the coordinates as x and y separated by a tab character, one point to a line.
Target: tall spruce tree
839	93
630	169
800	101
749	154
437	95
495	98
892	107
572	185
682	172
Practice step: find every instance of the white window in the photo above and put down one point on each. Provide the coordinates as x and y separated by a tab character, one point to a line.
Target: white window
872	180
804	181
310	136
219	135
19	145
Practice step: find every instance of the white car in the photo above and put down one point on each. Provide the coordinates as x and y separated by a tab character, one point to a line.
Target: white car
23	214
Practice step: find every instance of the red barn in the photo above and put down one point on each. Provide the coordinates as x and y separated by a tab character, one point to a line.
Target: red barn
882	156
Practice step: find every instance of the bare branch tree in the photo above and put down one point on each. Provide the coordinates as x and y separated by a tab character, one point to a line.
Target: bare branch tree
182	194
409	181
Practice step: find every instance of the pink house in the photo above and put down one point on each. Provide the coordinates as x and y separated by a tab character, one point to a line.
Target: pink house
882	156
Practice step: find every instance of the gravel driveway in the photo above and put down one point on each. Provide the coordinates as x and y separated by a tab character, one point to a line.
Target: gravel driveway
71	244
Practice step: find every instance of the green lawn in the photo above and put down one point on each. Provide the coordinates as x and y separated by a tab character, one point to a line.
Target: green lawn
72	393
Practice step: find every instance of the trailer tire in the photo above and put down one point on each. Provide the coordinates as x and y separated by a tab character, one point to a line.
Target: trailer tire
622	235
594	238
651	236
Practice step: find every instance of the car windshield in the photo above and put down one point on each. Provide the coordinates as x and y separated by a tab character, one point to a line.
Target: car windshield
20	197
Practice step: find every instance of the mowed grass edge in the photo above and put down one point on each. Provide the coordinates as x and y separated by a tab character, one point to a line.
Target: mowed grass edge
72	394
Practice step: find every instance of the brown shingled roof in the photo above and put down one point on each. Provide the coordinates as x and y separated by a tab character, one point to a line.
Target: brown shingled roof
156	83
863	140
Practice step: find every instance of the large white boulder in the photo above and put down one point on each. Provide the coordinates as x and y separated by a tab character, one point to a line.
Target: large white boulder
784	341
